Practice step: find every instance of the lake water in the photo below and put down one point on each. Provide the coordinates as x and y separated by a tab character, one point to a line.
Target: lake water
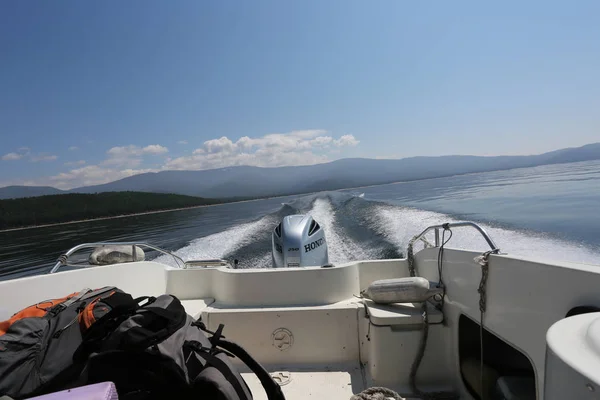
549	212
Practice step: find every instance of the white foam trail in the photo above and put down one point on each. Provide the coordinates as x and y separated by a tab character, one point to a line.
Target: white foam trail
399	225
339	247
219	244
264	261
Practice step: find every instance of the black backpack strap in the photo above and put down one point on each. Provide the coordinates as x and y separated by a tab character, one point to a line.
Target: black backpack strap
65	304
121	303
272	388
217	339
211	356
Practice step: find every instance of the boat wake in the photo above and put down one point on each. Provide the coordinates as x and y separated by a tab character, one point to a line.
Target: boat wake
358	229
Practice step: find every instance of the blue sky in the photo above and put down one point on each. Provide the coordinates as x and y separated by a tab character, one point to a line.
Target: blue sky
95	91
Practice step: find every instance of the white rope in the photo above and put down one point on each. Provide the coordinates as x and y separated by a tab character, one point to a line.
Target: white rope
381	393
411	258
377	393
482	290
425	328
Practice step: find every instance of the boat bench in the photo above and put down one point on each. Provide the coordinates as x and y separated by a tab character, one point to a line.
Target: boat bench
313	351
308	335
393	335
311	341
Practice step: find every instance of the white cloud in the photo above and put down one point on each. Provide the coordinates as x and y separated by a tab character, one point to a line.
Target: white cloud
307	133
42	157
182	142
74	163
322	140
73	148
12	157
222	144
131	156
155	149
278	149
24	182
120	151
25	152
120	162
303	147
346	140
131	150
92	175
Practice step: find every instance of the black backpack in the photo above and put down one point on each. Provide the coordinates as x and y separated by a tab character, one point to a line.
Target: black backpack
158	351
150	351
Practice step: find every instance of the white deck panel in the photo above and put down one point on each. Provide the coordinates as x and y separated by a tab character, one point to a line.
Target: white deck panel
329	385
313	384
196	306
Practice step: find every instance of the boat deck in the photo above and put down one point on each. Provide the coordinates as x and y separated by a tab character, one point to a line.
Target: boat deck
306	384
309	328
312	384
318	354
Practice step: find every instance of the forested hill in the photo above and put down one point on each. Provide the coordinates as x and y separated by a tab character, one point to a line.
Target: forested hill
73	207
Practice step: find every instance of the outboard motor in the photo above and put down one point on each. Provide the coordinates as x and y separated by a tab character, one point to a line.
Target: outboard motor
299	241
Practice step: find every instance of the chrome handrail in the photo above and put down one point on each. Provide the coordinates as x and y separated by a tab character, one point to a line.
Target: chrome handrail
437	228
64	258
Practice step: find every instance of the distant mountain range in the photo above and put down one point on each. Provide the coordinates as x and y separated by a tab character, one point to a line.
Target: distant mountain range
245	181
15	192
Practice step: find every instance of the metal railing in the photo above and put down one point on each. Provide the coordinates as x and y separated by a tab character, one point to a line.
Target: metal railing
437	228
63	260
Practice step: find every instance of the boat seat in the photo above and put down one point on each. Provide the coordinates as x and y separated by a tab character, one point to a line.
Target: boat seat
400	313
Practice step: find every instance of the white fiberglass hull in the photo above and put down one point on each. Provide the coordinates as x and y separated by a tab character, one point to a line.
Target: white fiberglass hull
307	326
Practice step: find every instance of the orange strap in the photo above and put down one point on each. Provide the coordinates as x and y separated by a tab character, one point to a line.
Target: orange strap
87	317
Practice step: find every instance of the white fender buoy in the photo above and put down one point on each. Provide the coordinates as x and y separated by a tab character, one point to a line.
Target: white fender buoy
400	290
106	255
